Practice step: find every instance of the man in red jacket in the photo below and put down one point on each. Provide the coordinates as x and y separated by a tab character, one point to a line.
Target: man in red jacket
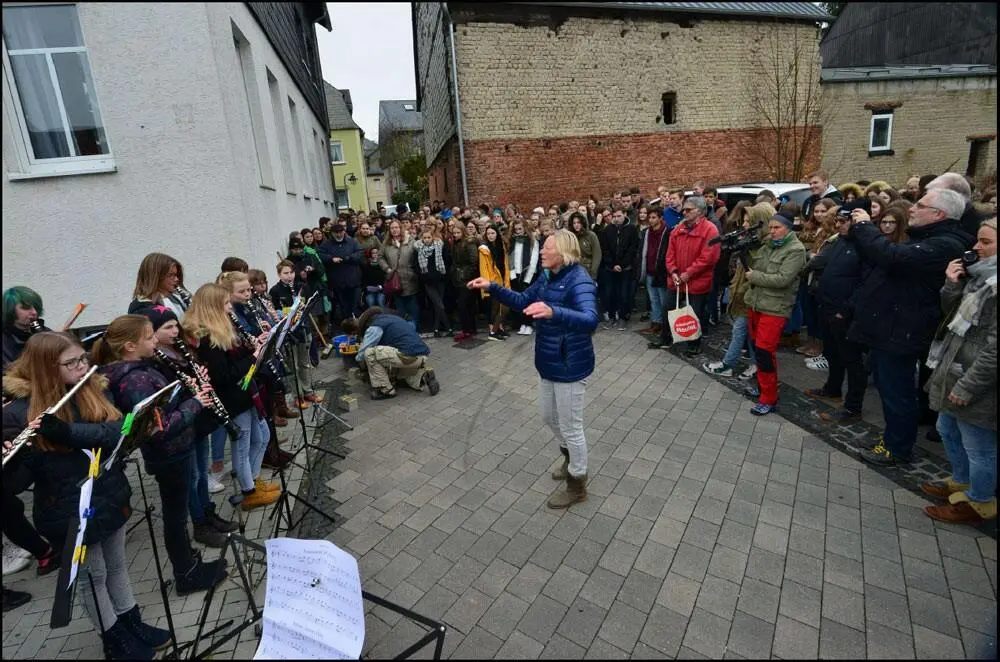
690	263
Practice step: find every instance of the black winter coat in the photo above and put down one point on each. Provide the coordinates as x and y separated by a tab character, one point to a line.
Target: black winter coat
841	273
57	475
13	343
130	382
619	244
899	304
342	274
226	369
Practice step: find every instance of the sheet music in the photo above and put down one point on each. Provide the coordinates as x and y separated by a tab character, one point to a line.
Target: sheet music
86	493
313	607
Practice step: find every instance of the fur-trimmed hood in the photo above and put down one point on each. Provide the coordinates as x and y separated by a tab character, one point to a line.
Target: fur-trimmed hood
18	387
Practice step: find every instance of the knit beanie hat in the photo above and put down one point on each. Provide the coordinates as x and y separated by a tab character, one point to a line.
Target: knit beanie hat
787	221
158	315
295	242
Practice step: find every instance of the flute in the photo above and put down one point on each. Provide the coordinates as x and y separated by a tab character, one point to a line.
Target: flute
192	369
21	440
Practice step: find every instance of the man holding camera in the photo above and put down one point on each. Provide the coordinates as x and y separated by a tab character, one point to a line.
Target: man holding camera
898	308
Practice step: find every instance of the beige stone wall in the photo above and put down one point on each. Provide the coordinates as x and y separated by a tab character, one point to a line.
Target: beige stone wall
928	132
599	76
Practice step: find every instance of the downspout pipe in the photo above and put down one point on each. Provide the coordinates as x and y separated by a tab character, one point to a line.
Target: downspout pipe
458	106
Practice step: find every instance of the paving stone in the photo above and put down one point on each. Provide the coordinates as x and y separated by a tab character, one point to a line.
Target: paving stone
462	574
975	612
932	611
529	582
881	544
919	546
519	549
654	559
925	576
622	626
582	621
602	650
478	644
602	587
519	647
639	590
759	599
678	593
887	608
841	642
542	618
584	555
495	578
728	564
960	547
932	645
561	648
565	584
979	646
664	630
503	615
718	596
736	536
888	644
771	538
967	577
765	566
691	562
805	570
701	534
884	574
750	637
707	634
794	640
619	557
668	532
843	606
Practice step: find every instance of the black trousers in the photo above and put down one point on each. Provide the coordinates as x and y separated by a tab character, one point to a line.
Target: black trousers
697	301
435	294
844	357
516	317
15	525
174	481
468	306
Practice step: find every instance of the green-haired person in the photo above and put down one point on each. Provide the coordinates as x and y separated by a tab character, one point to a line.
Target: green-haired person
21	307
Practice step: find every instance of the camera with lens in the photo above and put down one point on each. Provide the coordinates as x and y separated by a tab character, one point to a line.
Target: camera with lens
739	240
969	258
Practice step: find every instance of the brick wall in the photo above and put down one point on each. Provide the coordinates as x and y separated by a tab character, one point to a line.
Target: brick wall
434	81
536	76
444	177
929	129
528	172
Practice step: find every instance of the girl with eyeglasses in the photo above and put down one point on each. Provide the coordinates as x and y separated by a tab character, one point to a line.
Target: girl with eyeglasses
893	222
51	364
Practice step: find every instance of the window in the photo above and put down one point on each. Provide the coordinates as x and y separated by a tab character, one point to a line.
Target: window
244	58
979	157
51	93
279	123
296	140
342	199
336	152
324	173
409	106
668	110
880	137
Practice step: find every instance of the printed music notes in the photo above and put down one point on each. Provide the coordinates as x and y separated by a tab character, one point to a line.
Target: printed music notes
313	607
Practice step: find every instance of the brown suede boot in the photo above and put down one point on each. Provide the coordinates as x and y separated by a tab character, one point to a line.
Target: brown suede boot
944	488
282	409
576	492
563	470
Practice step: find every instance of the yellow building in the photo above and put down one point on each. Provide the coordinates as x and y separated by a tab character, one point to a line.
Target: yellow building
347	162
378	184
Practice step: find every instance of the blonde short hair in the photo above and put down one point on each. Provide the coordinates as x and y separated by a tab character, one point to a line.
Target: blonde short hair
567	245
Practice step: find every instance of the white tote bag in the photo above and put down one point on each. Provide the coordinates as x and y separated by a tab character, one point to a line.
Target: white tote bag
684	324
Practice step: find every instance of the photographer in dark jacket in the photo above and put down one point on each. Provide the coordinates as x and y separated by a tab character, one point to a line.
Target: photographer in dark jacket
619	245
841	272
898	308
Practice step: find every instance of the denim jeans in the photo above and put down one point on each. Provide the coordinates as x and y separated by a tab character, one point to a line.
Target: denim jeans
739	340
409	305
174	481
199	500
972	451
375	299
248	451
896	380
561	405
657	297
219	444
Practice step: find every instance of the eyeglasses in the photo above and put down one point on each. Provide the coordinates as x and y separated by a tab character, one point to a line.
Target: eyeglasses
921	205
839	220
73	364
888	222
687	209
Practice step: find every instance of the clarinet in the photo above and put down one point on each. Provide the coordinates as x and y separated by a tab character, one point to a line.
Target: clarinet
245	337
184	294
191	369
36	325
252	307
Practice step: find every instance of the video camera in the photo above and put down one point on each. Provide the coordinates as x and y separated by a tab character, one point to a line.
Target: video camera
739	240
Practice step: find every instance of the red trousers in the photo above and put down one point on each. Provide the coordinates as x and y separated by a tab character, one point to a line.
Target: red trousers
765	332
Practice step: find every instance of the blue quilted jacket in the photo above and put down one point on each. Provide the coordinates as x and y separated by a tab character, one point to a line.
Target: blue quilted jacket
564	351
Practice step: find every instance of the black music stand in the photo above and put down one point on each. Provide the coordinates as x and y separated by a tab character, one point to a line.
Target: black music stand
436	630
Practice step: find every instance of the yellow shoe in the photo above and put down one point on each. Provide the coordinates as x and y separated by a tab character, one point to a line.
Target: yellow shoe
258	499
262	485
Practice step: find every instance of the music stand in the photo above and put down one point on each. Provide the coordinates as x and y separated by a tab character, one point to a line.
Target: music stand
436	630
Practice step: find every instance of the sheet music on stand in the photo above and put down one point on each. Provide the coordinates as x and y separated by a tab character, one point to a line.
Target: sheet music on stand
313	606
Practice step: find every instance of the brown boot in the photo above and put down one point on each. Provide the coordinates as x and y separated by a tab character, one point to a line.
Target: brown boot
563	470
282	409
280	421
944	488
258	499
576	492
262	485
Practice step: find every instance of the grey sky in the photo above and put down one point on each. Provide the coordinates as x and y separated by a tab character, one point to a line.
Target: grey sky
369	52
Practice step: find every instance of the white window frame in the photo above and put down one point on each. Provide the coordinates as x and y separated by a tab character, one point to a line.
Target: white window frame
340	144
871	133
27	166
347	194
255	114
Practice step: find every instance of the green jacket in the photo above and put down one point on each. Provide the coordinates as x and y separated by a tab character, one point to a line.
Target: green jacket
590	252
739	285
969	370
774	279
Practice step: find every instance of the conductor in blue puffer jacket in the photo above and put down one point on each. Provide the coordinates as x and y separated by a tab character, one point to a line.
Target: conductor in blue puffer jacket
564	304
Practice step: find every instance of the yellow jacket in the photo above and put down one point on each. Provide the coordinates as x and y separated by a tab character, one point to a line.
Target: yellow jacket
488	270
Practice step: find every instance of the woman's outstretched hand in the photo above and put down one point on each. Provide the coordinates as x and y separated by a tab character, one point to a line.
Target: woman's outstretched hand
539	311
478	284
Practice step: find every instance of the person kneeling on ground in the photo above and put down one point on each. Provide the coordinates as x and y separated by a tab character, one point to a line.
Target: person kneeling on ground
391	349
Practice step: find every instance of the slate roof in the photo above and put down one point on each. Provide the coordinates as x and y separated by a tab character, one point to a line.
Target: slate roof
392	114
794	10
337	111
904	72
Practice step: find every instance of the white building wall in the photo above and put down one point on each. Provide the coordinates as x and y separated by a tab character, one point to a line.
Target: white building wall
172	100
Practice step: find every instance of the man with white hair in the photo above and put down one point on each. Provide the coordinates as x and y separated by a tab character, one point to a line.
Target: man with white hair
971	218
898	308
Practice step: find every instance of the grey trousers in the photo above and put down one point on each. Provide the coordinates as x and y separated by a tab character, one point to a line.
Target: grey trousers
107	565
561	405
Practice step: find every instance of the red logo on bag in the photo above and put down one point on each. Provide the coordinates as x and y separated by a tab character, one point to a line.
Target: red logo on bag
686	326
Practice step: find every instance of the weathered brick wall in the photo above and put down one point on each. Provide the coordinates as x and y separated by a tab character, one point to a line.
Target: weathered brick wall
588	76
929	129
444	177
434	80
542	171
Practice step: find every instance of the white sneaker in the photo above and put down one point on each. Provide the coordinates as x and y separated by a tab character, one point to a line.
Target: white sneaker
521	331
717	368
214	486
748	374
528	330
13	561
818	363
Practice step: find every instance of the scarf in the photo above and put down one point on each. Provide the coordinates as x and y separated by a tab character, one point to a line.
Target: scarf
424	252
778	243
982	285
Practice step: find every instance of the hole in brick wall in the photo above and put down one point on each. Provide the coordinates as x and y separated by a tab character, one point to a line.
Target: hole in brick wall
669	108
624	32
664	35
600	143
547	144
686	24
506	148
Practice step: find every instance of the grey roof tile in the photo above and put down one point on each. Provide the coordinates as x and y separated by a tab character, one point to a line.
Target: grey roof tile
336	109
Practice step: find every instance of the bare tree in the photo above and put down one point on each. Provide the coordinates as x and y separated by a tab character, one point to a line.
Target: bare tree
783	94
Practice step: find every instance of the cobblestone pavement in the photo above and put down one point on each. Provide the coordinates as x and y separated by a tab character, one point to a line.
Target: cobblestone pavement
707	533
